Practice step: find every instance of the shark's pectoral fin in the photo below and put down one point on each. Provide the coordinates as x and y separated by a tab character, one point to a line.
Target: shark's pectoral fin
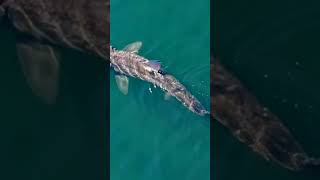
133	47
167	96
123	83
40	66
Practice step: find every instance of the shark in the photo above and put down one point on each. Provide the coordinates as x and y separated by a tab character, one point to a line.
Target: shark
250	122
81	25
127	62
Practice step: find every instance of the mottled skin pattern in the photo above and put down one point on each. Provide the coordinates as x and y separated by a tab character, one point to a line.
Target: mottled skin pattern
76	24
131	64
253	124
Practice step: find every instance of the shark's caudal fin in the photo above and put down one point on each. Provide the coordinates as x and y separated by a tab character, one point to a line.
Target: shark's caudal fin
41	69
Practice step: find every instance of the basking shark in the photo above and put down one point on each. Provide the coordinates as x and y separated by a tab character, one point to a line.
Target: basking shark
252	123
128	63
82	25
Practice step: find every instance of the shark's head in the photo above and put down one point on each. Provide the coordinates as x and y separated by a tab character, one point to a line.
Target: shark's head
112	49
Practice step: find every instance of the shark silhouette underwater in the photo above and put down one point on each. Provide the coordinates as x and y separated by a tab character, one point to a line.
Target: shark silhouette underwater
49	24
252	123
84	25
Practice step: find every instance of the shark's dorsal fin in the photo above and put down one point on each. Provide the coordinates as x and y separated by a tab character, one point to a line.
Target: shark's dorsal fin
133	47
40	66
155	64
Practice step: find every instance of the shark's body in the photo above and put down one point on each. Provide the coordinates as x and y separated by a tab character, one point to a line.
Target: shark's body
131	64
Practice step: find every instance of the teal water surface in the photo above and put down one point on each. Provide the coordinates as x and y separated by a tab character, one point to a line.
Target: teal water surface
273	48
151	138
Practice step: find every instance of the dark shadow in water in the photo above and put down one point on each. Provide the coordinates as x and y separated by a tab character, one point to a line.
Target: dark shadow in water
278	39
67	141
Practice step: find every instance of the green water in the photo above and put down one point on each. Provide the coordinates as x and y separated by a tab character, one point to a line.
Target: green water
63	141
273	47
151	138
